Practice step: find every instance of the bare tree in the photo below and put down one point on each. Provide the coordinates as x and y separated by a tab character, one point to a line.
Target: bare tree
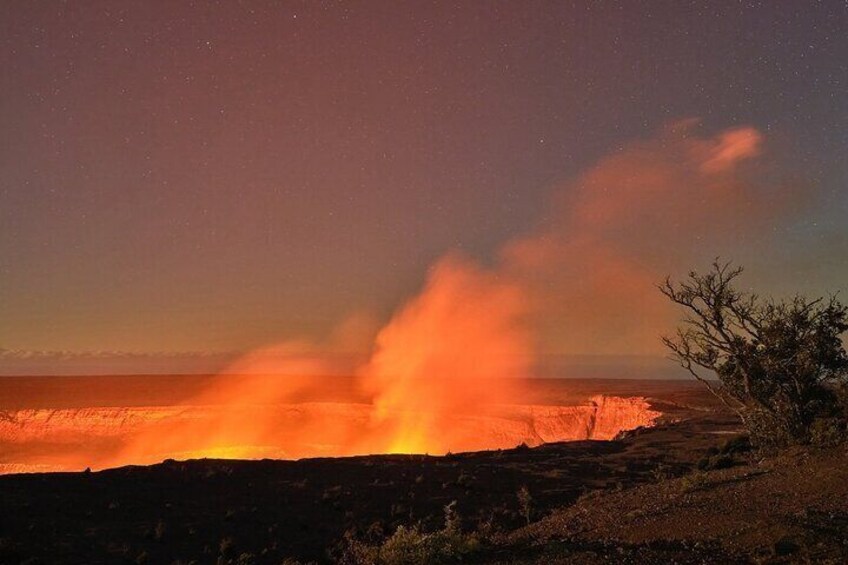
778	364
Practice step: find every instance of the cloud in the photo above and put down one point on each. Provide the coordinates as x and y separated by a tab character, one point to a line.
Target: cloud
732	147
21	354
39	362
657	206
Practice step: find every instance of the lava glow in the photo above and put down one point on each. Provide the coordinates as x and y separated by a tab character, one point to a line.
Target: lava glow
447	373
460	346
456	352
72	439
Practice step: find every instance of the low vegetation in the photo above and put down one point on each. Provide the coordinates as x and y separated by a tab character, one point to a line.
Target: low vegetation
410	545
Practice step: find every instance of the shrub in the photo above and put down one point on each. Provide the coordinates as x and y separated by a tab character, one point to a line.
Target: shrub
465	480
246	559
781	366
736	445
159	531
693	481
661	473
525	503
411	545
828	432
715	462
226	545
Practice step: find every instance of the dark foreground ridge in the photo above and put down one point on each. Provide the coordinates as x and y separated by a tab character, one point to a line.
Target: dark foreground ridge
686	491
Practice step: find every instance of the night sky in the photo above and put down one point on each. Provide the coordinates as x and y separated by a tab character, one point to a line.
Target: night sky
213	177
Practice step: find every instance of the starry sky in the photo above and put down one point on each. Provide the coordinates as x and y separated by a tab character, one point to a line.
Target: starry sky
213	176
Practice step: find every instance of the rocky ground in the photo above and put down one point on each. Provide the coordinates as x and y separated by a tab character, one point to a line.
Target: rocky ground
687	491
789	508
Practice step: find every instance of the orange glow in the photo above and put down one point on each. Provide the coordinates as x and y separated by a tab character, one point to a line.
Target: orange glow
449	370
459	347
458	351
72	439
447	373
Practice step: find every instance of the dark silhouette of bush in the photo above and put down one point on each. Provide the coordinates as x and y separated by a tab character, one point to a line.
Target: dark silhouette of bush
781	365
525	503
411	545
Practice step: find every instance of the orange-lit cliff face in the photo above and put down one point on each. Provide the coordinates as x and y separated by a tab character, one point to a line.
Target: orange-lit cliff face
72	439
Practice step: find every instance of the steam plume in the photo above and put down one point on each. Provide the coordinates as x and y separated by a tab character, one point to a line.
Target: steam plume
583	282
